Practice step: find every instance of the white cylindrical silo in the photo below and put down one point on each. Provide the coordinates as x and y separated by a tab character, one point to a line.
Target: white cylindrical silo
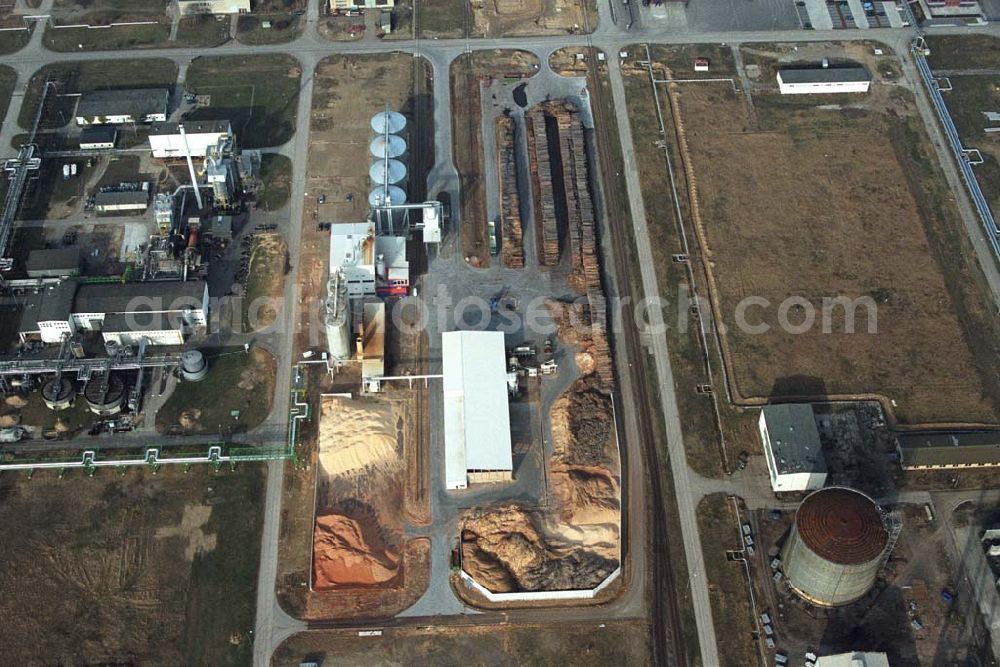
387	146
387	171
338	317
388	121
386	196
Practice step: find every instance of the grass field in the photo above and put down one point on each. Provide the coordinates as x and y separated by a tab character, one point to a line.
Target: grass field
235	381
963	51
871	220
8	79
14	40
969	98
266	281
132	569
584	645
201	31
731	613
258	94
284	28
112	38
84	76
276	182
442	18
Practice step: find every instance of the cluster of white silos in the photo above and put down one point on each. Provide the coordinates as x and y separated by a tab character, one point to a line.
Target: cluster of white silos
388	151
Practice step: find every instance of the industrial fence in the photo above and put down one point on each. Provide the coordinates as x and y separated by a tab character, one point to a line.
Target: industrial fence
534	596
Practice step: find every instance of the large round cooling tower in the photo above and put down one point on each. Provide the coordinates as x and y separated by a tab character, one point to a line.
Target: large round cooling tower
387	147
105	400
392	122
377	197
387	171
834	552
57	393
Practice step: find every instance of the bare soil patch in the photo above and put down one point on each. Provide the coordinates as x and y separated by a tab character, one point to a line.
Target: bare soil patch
824	198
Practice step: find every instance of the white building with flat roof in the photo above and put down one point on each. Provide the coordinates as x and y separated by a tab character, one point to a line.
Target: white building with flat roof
372	265
823	80
166	140
476	416
791	446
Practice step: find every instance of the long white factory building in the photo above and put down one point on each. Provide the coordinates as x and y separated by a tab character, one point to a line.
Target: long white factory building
476	416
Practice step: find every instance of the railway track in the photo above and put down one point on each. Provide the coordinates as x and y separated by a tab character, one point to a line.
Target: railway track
667	633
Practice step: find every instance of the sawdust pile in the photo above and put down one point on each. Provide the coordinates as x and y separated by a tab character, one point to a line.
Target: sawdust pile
510	549
358	435
576	544
348	553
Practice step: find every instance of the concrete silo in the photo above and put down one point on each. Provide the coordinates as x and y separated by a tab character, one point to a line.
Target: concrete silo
389	172
836	547
391	195
338	317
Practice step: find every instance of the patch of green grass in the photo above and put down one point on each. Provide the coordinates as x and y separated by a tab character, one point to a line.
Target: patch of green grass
969	98
284	28
202	31
236	381
112	38
221	599
14	40
442	18
78	417
85	76
730	597
276	182
8	79
963	51
258	94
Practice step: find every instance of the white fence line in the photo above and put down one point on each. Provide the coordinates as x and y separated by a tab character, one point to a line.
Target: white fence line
529	596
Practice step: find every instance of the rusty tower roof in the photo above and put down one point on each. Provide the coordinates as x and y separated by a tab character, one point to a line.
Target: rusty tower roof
842	525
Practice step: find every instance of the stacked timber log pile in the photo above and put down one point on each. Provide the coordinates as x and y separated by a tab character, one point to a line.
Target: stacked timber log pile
512	249
545	201
582	232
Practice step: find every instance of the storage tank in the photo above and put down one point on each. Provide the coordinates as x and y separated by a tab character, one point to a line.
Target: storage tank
387	146
57	393
105	396
338	317
193	366
387	171
396	196
392	122
834	552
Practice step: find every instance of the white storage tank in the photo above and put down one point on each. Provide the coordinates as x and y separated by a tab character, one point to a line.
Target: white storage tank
391	146
389	121
338	317
391	196
387	171
835	550
194	367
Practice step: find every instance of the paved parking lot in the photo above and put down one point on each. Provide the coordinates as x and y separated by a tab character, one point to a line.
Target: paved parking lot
722	15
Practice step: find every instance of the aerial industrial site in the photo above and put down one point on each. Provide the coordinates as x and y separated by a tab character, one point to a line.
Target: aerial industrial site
442	332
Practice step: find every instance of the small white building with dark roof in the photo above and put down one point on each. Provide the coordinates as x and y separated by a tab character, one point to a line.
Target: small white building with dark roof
792	448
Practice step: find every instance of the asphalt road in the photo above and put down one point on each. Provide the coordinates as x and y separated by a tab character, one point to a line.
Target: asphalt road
273	625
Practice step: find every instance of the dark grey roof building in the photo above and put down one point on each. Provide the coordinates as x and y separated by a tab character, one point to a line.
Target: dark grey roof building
53	263
109	107
948	449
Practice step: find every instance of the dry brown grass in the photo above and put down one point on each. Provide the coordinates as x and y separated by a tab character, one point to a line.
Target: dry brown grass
825	208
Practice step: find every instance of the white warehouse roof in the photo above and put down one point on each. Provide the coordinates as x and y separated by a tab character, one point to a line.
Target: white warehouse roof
476	418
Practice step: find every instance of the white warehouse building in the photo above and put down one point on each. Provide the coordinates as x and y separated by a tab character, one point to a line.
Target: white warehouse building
823	80
792	448
166	141
476	416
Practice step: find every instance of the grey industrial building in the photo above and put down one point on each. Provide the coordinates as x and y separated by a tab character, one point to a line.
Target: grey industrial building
115	107
98	138
53	263
792	448
825	79
948	449
162	312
